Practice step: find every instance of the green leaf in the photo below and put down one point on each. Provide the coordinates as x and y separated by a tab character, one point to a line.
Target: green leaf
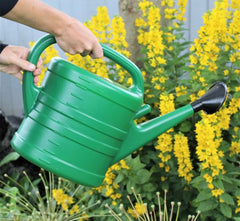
236	181
227	199
197	180
142	176
237	193
10	157
130	184
227	179
207	205
218	184
226	210
203	195
185	126
135	163
150	187
119	178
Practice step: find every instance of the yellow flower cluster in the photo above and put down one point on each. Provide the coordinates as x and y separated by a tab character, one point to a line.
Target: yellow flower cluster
182	9
66	202
209	180
219	34
182	153
213	31
208	138
139	209
155	38
118	40
165	145
171	13
233	36
181	90
165	140
99	25
166	103
235	148
217	192
151	36
62	199
109	185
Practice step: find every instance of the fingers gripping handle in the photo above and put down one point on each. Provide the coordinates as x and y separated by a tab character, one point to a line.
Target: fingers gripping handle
30	91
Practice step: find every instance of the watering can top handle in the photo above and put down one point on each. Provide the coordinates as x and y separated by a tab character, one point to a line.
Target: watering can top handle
30	91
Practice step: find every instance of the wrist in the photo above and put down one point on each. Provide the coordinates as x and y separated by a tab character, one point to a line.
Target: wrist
62	23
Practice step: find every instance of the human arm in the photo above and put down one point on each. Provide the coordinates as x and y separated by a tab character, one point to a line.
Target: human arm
71	35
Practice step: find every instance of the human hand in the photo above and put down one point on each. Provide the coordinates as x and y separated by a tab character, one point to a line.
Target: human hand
13	60
77	39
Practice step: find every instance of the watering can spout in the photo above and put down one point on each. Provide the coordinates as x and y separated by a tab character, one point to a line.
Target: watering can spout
139	135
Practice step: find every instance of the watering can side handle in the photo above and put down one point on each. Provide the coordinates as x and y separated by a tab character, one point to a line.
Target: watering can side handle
30	91
138	84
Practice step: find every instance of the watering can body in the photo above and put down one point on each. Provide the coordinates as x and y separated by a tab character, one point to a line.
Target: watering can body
78	124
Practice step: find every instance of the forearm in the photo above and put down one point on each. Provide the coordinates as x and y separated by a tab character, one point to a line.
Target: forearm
40	16
71	35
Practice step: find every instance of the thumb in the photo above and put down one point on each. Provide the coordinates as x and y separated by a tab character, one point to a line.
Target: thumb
23	64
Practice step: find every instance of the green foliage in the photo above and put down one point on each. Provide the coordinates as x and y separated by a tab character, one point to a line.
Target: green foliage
10	157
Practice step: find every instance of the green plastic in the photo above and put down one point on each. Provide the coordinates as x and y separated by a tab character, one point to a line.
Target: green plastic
78	124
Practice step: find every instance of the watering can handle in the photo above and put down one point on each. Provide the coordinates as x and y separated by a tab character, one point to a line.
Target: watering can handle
30	91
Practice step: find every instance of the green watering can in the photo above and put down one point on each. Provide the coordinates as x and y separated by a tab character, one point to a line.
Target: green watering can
78	124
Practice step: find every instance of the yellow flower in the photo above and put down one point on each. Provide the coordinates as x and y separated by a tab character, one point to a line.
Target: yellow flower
235	4
182	153
74	209
84	217
161	165
235	148
166	103
208	149
208	178
210	186
167	169
139	209
163	178
62	198
237	210
217	192
181	90
226	72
